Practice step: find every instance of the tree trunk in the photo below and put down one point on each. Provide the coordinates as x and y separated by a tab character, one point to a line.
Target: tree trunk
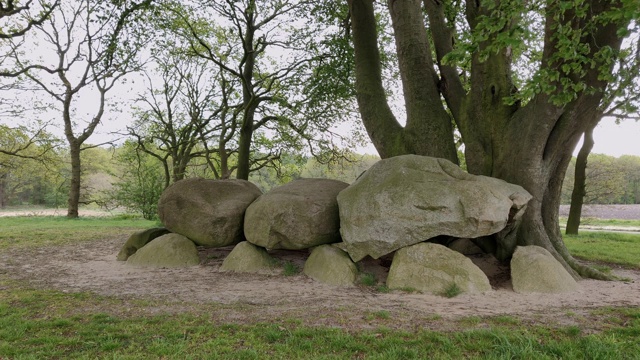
579	189
250	102
74	188
3	186
428	130
244	145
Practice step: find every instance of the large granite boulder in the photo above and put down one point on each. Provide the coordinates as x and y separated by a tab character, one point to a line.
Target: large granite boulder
298	215
330	265
246	257
170	250
535	270
209	212
138	240
433	268
408	199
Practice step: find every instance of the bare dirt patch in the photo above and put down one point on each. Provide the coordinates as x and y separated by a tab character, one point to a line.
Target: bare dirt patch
243	298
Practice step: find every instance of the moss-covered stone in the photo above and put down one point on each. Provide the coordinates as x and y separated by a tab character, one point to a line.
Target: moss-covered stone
535	270
246	257
209	212
408	199
433	268
330	265
298	215
170	250
138	240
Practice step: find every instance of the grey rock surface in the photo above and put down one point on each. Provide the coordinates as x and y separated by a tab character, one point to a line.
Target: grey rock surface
408	199
209	212
298	215
170	250
433	268
330	265
137	240
246	257
535	270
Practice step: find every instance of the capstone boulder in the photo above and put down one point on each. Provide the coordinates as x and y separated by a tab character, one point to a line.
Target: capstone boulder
209	212
433	268
138	240
408	199
170	250
535	270
330	265
298	215
246	257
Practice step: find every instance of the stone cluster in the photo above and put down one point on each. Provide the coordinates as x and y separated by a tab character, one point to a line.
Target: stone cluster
407	207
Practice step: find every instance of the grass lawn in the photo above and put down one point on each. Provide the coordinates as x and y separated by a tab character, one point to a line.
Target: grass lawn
616	248
36	231
39	324
48	324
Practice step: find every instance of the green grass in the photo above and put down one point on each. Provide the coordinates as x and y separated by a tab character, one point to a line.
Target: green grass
290	269
36	231
48	324
51	324
452	291
368	279
616	248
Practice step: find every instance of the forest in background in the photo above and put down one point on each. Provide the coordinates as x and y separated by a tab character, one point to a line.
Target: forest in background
125	177
128	178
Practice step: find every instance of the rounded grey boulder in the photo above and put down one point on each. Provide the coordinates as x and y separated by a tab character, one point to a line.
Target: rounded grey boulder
330	265
246	257
170	250
298	215
404	200
139	239
433	268
535	270
209	212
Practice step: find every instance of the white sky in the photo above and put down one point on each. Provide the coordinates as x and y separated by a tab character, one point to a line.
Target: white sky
616	140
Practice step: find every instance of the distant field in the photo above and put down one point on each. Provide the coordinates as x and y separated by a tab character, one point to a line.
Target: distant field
622	212
41	211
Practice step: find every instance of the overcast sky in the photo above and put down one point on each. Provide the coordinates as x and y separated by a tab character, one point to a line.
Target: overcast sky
616	140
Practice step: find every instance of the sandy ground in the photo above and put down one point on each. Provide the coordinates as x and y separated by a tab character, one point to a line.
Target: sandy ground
242	298
93	267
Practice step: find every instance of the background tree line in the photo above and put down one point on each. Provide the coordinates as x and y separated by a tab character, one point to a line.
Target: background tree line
609	180
130	177
218	89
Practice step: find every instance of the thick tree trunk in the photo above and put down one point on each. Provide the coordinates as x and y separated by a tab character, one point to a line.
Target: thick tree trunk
74	187
579	184
427	121
537	160
428	129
